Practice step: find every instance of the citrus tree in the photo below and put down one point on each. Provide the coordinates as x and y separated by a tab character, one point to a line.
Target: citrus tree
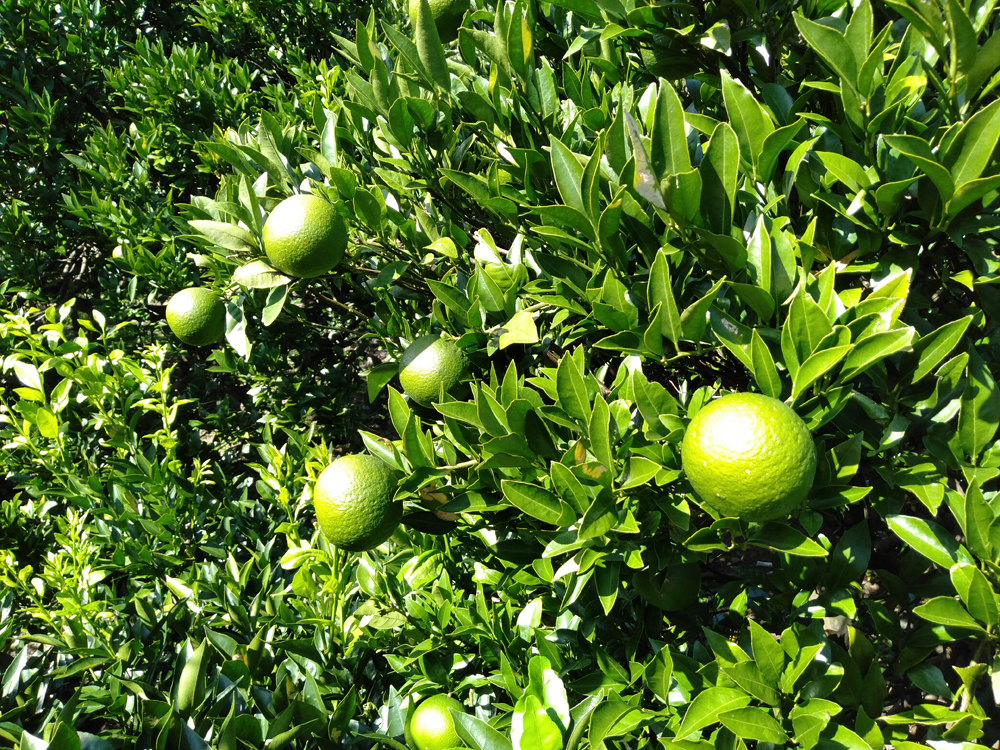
678	331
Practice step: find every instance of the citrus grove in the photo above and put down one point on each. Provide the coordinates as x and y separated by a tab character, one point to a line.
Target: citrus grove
516	375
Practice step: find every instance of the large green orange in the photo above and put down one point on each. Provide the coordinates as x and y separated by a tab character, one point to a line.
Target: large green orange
427	365
197	316
304	236
432	726
447	14
353	501
749	456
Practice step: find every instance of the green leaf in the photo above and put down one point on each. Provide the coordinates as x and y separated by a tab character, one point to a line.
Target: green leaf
965	195
749	676
889	196
755	724
930	540
963	39
399	411
749	119
258	274
815	367
976	593
694	319
719	170
600	518
759	256
644	182
849	559
537	502
784	538
846	170
545	684
986	63
639	471
520	329
227	236
274	304
519	42
269	135
379	377
831	46
600	435
764	371
859	32
489	292
774	144
972	148
669	146
839	737
919	152
478	734
572	389
944	610
569	177
807	324
532	728
430	50
874	349
604	719
569	487
930	350
979	413
191	682
706	707
977	521
607	579
760	301
47	423
660	292
682	194
767	653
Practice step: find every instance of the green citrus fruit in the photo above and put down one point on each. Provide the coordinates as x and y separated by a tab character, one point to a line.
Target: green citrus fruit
304	236
447	14
353	501
432	726
749	456
197	316
672	589
428	364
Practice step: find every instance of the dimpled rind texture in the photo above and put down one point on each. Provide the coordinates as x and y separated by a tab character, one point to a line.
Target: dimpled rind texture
447	14
353	502
749	456
304	236
432	725
197	316
428	363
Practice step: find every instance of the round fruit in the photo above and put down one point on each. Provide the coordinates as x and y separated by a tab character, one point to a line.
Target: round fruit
197	316
304	236
672	589
447	14
353	501
432	726
428	364
749	456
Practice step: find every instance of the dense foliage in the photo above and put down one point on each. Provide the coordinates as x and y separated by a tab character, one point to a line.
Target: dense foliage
618	209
